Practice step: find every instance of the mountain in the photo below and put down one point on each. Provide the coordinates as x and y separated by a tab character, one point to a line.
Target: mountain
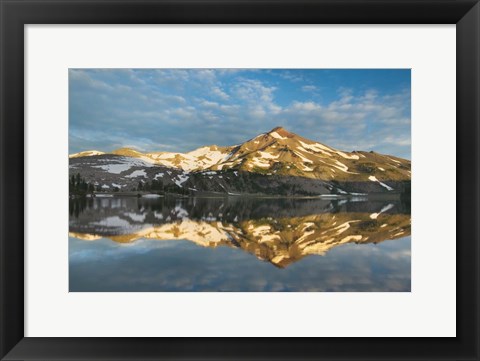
86	153
277	162
199	159
284	153
280	231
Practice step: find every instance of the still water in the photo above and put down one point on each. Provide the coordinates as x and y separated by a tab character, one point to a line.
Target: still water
128	244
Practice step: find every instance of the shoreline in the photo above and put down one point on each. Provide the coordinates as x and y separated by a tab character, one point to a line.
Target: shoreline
327	197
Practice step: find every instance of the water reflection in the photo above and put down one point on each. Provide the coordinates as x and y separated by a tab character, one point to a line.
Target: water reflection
280	232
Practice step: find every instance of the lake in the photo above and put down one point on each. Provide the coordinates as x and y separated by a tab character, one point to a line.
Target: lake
244	244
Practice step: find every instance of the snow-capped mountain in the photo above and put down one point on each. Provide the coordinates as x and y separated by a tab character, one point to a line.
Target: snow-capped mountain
270	234
276	162
284	153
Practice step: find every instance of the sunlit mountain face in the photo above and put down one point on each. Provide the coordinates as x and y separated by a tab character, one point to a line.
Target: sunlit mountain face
278	231
277	162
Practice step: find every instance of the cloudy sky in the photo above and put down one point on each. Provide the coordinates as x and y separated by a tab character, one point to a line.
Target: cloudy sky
183	109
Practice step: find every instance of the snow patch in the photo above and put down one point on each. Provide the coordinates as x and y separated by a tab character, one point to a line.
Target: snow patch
196	159
114	168
317	147
303	158
277	136
136	217
374	179
346	156
137	173
181	212
266	155
351	238
114	221
384	209
125	163
393	160
259	162
182	178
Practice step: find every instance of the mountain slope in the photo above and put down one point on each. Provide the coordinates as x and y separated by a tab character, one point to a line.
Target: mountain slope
276	162
198	159
284	153
86	153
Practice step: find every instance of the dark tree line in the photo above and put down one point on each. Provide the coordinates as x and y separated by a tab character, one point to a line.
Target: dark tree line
78	186
156	185
77	205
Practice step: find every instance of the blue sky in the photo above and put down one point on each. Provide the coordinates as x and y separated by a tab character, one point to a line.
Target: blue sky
183	109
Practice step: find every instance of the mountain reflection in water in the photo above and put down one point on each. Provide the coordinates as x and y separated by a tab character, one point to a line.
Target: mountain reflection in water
279	232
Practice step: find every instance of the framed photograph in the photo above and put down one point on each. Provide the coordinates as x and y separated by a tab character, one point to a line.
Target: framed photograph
239	180
235	174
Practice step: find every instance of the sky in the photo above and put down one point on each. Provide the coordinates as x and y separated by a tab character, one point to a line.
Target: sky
179	110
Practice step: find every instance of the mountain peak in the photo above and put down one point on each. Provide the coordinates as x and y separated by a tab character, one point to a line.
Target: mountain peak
281	132
127	152
126	148
86	153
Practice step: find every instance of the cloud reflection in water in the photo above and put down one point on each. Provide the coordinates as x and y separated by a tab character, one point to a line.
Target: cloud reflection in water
130	244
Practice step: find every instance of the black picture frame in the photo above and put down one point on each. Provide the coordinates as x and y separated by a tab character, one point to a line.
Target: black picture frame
15	14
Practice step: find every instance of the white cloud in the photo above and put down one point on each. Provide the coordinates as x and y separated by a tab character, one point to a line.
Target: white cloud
209	104
162	106
305	106
309	88
257	96
220	93
293	77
